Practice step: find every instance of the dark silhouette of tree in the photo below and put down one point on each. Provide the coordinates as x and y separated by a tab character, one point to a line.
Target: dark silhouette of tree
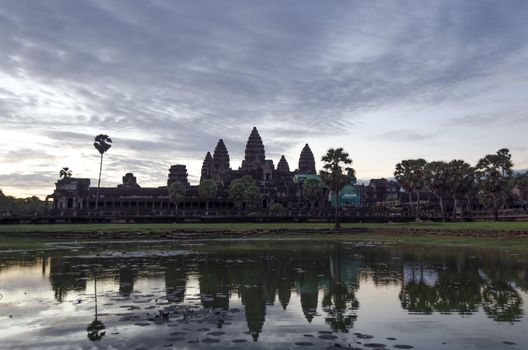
65	173
176	193
102	144
244	190
436	180
335	174
96	327
410	174
207	190
457	172
312	190
494	171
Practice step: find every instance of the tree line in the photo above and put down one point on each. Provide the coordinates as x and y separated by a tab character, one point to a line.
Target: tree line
10	204
489	181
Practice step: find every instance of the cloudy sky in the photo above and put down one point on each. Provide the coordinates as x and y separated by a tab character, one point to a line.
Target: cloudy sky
386	80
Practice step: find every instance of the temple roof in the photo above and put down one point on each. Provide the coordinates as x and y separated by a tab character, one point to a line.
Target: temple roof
255	155
221	156
207	166
283	165
307	161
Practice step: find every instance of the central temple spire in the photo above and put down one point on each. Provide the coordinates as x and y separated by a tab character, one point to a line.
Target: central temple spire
255	155
307	161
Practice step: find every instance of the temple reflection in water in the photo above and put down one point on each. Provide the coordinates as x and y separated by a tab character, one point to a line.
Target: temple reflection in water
322	281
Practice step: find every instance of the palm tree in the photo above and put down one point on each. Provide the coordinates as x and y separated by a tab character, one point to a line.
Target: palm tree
207	190
65	173
410	174
437	181
102	144
457	171
334	175
312	190
251	196
243	190
176	193
494	171
96	328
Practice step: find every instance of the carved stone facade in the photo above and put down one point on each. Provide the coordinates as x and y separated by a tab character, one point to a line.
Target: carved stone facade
276	184
307	161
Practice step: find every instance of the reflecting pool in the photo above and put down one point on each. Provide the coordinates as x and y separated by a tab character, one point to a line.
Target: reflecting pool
258	294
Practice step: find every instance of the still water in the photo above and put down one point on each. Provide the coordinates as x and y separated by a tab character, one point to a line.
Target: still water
262	295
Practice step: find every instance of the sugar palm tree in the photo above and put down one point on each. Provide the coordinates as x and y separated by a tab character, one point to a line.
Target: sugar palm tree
244	190
437	180
457	171
176	193
494	172
312	190
335	175
102	144
410	174
207	190
65	173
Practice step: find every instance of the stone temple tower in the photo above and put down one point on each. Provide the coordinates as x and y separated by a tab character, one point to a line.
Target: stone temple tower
307	161
283	166
221	167
255	156
207	167
178	173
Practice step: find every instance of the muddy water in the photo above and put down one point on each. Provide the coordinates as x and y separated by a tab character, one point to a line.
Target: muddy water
262	295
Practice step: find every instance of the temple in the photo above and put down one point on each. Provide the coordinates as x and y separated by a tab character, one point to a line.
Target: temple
277	185
280	190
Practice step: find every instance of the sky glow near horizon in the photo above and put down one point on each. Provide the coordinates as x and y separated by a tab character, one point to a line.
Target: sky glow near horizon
386	80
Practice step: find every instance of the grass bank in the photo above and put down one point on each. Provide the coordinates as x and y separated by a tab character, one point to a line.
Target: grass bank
239	227
373	232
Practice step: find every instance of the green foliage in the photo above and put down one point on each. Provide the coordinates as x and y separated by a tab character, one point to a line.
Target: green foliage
494	172
334	176
410	174
436	177
176	192
236	190
457	172
251	195
102	143
244	190
335	173
312	189
277	208
207	189
65	173
10	204
520	179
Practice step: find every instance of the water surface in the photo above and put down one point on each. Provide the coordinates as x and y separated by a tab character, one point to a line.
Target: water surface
262	295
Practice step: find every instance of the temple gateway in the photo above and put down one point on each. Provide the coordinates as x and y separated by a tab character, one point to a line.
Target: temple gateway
278	186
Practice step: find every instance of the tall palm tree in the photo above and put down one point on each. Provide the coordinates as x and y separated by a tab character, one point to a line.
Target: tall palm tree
176	193
457	171
65	173
410	174
335	175
437	180
494	172
207	190
102	144
312	190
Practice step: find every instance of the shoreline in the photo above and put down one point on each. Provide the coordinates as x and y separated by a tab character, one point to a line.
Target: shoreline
494	236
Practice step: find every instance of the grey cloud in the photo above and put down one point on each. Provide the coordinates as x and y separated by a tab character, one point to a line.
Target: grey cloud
474	120
181	75
406	136
24	154
39	179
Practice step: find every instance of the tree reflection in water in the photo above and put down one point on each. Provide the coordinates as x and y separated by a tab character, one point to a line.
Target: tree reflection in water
95	329
430	282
